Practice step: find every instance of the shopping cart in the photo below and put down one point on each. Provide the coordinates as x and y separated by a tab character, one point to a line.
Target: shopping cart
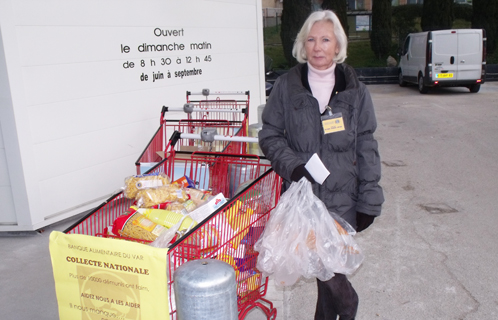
228	116
217	108
252	190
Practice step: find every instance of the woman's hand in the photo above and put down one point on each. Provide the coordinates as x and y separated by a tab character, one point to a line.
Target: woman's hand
363	221
300	172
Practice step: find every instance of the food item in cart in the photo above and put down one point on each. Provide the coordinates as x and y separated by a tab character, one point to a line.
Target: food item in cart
202	212
134	184
252	282
135	225
231	261
207	238
167	218
247	282
244	185
185	182
163	205
154	196
199	197
251	197
239	218
182	207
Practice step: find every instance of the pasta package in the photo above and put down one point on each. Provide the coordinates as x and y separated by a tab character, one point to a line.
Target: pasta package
154	196
135	225
134	184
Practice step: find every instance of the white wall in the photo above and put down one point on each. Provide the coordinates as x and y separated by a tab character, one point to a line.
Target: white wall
74	119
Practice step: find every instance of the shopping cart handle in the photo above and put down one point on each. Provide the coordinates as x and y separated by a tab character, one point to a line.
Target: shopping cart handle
207	92
164	110
207	134
188	107
216	137
177	135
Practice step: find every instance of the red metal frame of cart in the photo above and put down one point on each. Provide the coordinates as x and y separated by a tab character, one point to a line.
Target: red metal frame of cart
236	110
155	149
252	190
228	116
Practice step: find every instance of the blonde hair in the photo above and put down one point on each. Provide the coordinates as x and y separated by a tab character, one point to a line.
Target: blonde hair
299	52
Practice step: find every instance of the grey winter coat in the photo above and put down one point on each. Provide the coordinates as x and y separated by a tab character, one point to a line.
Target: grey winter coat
292	132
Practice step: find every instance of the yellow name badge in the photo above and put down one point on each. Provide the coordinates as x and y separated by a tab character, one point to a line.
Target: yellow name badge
333	125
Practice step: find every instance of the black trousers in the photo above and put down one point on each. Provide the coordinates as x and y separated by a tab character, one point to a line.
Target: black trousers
336	297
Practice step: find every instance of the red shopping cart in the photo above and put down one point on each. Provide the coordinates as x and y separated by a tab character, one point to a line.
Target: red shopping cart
228	116
230	108
252	190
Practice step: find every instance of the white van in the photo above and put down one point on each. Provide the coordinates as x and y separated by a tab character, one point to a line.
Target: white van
455	57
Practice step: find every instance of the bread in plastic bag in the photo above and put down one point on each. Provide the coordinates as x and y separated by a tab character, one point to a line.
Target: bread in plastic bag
303	239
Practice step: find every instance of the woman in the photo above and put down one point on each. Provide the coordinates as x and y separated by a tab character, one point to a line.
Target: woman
318	89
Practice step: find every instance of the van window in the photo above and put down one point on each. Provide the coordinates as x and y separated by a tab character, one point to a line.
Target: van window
406	46
418	47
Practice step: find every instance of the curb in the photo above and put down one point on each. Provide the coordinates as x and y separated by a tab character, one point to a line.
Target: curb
389	75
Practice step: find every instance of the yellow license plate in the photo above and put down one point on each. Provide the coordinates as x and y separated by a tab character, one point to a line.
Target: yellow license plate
444	75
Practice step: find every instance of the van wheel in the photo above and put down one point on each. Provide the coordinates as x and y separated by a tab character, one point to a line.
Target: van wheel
421	87
401	82
475	88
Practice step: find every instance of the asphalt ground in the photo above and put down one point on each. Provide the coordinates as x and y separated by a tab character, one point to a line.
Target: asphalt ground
432	254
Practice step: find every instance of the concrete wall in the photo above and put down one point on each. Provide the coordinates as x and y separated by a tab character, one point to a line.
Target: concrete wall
81	91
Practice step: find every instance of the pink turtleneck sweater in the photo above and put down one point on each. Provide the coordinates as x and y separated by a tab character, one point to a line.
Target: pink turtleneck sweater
321	83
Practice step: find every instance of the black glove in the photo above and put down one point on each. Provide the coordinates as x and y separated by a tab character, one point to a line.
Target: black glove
300	172
363	221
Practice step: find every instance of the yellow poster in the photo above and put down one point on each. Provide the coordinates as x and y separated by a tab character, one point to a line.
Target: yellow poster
100	278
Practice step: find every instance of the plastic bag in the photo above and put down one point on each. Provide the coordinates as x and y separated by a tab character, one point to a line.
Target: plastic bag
302	238
165	239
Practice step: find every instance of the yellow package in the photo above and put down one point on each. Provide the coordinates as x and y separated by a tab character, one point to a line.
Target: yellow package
231	261
168	218
239	218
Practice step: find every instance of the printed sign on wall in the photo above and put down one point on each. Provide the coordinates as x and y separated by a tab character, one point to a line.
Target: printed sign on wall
88	80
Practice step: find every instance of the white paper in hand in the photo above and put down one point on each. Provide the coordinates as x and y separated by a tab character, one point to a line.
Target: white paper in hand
317	169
